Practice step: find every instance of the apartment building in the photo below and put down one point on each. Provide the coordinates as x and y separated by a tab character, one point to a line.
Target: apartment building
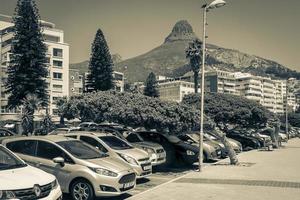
58	62
266	91
174	89
75	82
118	78
290	96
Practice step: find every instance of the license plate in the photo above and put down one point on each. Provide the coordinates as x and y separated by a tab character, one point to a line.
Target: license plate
147	167
128	185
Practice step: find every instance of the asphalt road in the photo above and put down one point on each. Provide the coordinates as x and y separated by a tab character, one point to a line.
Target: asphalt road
158	177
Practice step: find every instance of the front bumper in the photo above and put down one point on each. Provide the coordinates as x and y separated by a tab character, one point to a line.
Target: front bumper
55	194
142	170
158	158
114	186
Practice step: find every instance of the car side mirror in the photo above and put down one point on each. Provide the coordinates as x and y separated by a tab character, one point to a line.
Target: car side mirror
59	160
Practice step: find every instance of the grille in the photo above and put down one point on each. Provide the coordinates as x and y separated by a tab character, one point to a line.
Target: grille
127	178
143	160
28	194
159	150
264	183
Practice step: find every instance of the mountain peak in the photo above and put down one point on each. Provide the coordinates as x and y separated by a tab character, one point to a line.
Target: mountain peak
182	30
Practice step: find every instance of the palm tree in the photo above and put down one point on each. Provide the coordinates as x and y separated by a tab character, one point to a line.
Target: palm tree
194	52
230	151
30	104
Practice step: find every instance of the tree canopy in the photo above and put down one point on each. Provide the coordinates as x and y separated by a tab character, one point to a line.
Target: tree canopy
229	110
27	69
100	66
150	89
133	110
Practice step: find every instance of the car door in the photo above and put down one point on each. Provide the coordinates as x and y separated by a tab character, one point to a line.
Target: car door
45	154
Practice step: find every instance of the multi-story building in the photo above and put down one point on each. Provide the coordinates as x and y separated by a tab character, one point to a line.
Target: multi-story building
75	82
290	95
118	79
58	64
269	93
174	89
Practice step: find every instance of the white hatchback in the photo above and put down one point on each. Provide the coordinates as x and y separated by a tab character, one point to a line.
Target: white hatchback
21	181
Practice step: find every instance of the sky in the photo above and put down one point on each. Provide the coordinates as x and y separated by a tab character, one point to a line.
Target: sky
266	28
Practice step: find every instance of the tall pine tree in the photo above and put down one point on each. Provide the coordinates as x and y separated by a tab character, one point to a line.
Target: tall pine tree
27	70
100	66
151	86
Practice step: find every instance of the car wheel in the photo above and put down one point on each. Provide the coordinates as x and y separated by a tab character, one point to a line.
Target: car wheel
205	158
82	190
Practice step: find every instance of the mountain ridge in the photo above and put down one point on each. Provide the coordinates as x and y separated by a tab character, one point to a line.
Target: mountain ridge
169	59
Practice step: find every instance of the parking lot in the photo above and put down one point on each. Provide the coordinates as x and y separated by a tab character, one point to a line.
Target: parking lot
159	177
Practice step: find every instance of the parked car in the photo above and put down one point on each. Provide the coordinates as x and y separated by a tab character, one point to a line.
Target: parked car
248	143
80	169
63	130
156	151
6	133
138	159
21	181
264	140
283	137
236	145
175	148
211	150
87	125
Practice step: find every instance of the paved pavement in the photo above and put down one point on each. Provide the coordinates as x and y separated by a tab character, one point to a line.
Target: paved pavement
262	175
157	178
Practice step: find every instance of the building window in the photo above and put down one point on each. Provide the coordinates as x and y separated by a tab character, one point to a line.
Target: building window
57	88
50	38
57	52
57	63
57	75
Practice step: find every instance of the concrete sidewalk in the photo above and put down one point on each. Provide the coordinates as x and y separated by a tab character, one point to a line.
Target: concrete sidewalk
262	175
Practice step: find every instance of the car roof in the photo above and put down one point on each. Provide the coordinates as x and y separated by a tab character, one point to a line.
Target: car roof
52	138
97	134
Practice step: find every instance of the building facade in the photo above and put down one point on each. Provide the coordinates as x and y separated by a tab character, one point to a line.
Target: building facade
118	79
174	90
58	65
264	90
75	82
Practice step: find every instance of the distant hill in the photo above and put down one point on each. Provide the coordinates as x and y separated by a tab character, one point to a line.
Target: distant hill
169	59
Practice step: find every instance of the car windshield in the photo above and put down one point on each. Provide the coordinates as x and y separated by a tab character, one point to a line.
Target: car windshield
9	161
115	143
81	150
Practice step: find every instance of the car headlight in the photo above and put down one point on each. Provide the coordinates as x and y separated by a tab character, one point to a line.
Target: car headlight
7	194
54	184
104	172
148	150
190	153
128	159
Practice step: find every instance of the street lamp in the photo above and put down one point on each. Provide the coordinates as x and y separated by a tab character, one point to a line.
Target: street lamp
206	8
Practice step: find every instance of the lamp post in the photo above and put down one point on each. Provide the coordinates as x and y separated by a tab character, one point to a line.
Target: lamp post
206	8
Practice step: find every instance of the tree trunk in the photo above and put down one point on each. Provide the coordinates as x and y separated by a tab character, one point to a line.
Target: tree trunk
196	78
231	153
61	120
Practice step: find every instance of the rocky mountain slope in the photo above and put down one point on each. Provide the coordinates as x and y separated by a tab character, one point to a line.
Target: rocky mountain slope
169	59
